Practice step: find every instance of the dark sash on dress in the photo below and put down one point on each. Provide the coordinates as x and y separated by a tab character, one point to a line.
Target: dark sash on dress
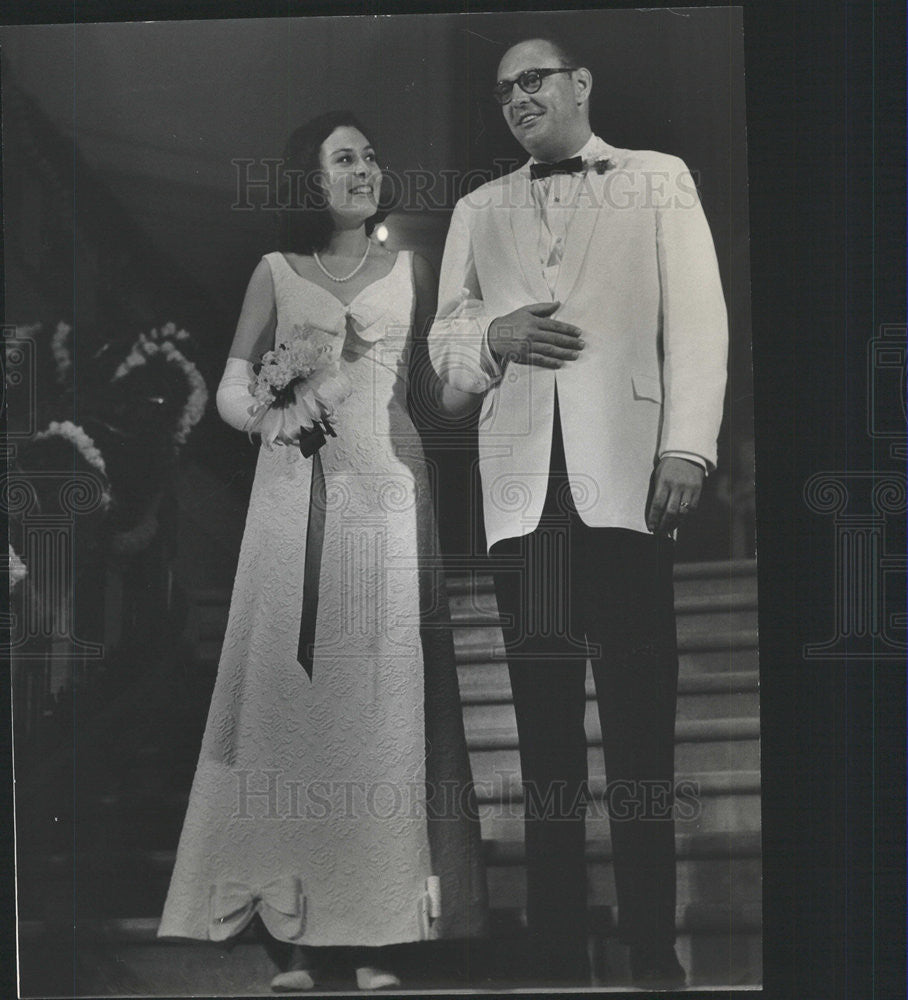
315	538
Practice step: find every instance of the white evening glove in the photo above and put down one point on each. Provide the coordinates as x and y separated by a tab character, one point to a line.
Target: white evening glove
239	408
234	400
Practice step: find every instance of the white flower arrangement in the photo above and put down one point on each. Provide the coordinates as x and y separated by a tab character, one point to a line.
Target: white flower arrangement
296	385
168	332
80	440
17	569
147	347
59	345
83	444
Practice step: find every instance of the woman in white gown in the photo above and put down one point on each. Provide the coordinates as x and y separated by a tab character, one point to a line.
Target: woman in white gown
338	807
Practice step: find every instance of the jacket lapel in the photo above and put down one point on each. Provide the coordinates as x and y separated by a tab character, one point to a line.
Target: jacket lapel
525	229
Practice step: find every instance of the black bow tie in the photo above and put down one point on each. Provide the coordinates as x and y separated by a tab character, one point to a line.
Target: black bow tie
572	165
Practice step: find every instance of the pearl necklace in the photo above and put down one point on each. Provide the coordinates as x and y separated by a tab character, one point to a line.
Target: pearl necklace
346	277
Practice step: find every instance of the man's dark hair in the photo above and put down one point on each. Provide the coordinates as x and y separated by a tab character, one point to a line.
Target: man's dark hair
567	52
304	223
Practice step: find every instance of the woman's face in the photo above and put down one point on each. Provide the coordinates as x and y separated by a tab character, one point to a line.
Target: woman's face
351	176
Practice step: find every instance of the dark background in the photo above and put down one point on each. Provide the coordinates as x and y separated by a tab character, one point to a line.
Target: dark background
825	117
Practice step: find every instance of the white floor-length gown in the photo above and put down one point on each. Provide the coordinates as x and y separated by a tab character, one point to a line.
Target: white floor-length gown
309	802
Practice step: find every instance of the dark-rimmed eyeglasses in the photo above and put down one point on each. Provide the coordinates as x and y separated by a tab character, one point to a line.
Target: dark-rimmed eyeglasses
529	81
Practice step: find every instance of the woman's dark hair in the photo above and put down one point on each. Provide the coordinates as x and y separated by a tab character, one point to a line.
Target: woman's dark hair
304	223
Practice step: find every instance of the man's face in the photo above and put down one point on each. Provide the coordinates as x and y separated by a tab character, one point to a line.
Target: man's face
551	123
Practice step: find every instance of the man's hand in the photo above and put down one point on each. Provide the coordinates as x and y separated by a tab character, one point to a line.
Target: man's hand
676	492
530	336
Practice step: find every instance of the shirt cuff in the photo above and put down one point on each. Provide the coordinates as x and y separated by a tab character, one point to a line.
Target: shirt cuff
489	362
689	456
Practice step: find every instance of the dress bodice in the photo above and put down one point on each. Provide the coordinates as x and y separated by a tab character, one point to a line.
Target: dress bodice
372	338
383	305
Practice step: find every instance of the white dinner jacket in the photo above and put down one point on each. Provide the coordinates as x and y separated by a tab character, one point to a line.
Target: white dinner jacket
639	277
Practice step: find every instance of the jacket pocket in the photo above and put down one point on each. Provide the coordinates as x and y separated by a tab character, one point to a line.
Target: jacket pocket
647	387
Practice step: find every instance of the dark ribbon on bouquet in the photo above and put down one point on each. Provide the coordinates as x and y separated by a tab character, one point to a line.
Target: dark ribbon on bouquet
310	442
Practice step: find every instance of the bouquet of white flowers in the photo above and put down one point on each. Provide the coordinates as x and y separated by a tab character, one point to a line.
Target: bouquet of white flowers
298	387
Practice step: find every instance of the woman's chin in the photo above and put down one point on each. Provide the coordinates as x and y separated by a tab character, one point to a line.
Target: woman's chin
356	215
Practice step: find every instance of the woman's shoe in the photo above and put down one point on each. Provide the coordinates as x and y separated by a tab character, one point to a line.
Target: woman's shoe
293	981
299	975
368	977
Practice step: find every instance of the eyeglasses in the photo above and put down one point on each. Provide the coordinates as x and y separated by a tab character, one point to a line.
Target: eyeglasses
529	81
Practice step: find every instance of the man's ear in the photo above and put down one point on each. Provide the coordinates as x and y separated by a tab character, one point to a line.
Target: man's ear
583	84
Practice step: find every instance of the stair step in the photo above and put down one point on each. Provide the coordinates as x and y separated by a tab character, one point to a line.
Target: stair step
731	572
688	641
478	686
723	845
686	731
481	608
712	814
720	568
717	881
710	628
690	758
702	695
700	744
719	660
506	789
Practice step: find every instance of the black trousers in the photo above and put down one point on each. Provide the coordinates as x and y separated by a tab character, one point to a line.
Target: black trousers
567	591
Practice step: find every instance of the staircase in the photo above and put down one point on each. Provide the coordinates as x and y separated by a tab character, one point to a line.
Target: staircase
118	875
717	769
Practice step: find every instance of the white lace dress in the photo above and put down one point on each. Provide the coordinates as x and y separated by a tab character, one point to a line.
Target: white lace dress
309	803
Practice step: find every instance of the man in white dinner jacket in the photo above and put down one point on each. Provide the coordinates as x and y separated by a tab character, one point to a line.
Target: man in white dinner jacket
581	295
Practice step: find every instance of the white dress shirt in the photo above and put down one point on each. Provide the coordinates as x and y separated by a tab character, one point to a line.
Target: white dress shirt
555	201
